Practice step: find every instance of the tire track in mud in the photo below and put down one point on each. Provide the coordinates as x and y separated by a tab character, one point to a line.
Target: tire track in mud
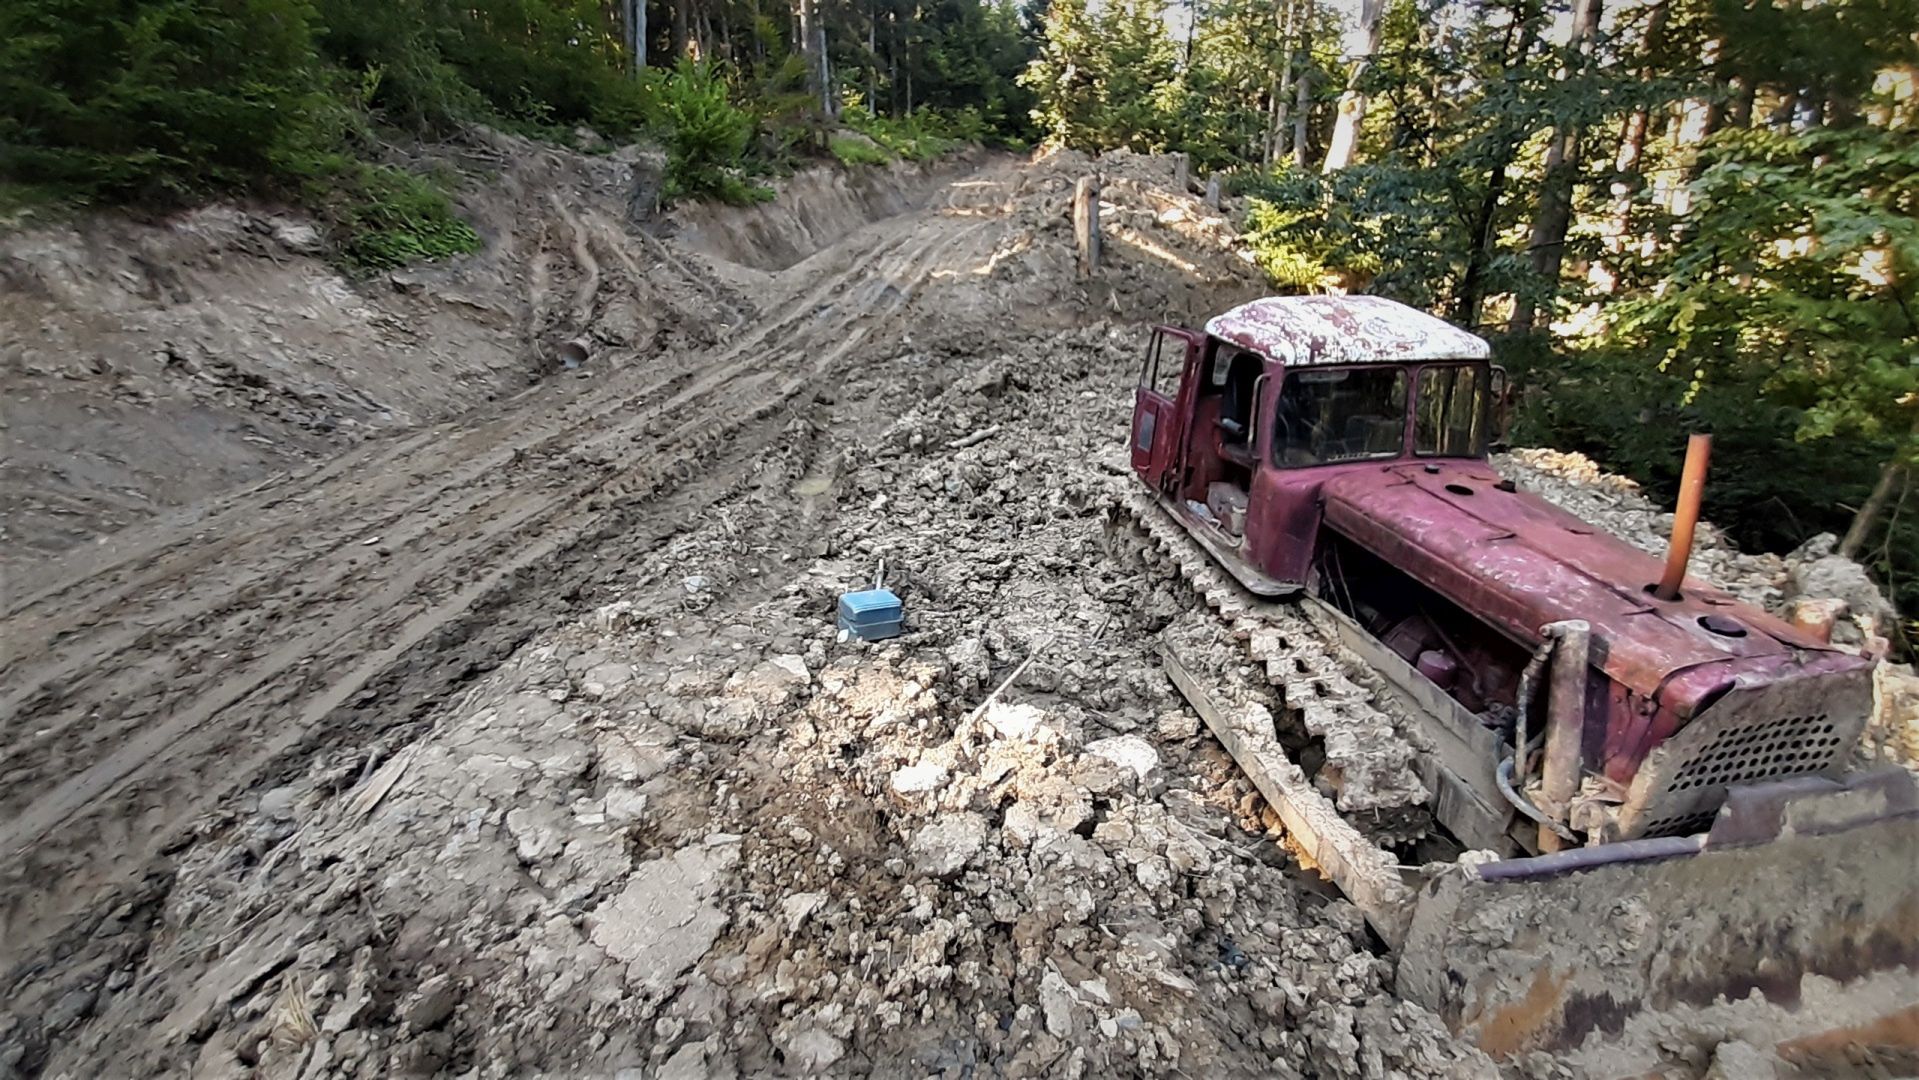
234	697
144	600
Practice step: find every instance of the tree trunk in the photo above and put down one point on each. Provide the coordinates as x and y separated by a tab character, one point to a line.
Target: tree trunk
1739	110
1548	245
1868	516
1303	85
1302	119
1086	223
813	50
681	36
1276	130
1627	179
828	102
1352	103
636	34
1467	302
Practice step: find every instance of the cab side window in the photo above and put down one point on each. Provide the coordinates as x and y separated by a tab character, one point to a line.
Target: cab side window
1165	359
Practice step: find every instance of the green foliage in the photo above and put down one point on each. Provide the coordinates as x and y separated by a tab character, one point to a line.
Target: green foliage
1799	267
854	151
1786	319
1758	284
386	217
1105	78
922	136
24	202
706	136
960	57
156	99
1109	75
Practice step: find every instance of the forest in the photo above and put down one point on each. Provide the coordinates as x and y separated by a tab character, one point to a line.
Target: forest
1671	216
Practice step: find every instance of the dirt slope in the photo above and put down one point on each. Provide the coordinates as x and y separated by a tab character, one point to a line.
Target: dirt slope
150	365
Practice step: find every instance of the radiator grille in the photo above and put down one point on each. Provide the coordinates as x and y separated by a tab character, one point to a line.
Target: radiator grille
1756	733
1784	747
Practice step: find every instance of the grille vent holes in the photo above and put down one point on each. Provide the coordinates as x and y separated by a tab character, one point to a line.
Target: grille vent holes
1787	746
1681	824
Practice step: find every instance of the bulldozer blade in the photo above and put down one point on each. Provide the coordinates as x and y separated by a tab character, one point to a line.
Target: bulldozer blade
1793	924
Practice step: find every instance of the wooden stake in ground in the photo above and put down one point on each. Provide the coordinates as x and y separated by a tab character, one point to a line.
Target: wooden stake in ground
1086	223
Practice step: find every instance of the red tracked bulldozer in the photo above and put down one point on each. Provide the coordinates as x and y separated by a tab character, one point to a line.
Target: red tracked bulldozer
1660	782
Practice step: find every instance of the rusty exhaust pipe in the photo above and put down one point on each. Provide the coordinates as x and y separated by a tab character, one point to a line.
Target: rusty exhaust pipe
1565	726
1685	516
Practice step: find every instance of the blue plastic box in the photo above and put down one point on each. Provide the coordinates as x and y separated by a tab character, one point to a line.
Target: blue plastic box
872	615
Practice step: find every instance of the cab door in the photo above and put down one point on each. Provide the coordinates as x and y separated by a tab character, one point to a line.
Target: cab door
1160	405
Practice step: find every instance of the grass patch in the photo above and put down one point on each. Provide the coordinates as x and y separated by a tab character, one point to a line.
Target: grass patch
32	204
384	218
852	151
920	136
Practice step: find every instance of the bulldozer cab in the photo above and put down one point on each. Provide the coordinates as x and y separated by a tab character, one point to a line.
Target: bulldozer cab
1238	443
1159	407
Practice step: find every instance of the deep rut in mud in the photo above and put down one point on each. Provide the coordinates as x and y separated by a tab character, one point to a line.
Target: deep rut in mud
329	608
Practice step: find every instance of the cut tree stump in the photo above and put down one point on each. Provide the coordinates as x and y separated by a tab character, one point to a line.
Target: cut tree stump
1086	223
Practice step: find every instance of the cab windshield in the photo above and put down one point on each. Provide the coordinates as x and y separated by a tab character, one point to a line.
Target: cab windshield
1454	411
1340	414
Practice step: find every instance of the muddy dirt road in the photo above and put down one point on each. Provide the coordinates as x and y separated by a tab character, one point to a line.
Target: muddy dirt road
524	742
146	679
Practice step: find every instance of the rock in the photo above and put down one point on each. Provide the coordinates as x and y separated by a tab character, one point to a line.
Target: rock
946	845
535	837
912	779
1815	569
1894	726
73	1006
797	907
664	920
1177	724
1742	1061
1127	752
1056	1003
1096	990
431	1005
813	1051
794	665
624	805
298	237
604	679
773	682
613	618
1014	721
687	1063
278	803
635	755
1817	616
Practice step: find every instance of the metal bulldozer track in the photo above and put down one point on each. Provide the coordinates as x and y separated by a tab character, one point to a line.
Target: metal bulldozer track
1791	923
1326	695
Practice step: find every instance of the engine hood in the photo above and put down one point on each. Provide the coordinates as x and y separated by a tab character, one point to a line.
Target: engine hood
1519	562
